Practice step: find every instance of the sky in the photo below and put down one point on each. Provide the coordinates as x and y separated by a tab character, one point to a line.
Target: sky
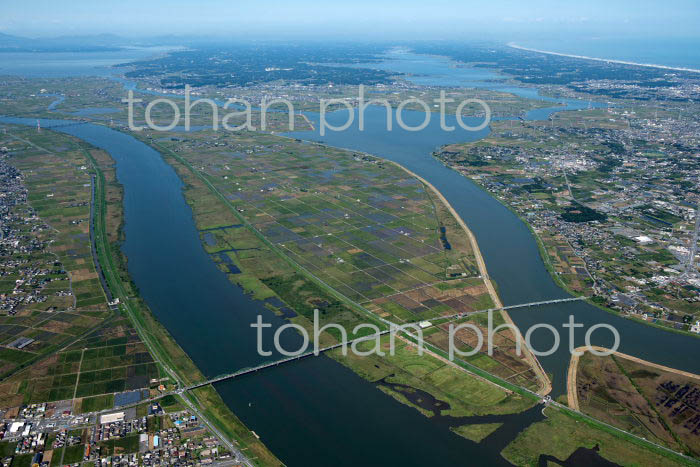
408	19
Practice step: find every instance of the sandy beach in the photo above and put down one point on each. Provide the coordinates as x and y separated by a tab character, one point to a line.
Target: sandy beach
605	60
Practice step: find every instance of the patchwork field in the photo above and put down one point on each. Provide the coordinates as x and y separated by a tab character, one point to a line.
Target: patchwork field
79	347
660	405
61	295
304	226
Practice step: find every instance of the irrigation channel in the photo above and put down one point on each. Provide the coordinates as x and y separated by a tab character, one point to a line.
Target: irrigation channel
316	412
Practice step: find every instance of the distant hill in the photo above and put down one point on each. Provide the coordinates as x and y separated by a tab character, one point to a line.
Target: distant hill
94	43
11	41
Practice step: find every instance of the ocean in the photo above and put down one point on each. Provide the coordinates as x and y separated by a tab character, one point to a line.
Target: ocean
672	52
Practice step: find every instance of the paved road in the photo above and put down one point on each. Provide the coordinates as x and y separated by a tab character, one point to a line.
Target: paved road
694	242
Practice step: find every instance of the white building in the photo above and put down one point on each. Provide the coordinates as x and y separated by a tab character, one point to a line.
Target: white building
644	240
16	426
112	417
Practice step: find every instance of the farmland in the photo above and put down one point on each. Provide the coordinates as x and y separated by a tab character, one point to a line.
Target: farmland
90	363
660	405
361	238
81	347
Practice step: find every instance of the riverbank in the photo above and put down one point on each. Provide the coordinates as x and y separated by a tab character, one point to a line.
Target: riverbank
572	395
651	400
169	355
172	359
545	383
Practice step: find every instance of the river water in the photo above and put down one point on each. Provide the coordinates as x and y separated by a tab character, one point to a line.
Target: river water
62	64
314	412
317	412
509	248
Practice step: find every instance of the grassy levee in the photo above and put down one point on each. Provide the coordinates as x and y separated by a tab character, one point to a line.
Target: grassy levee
478	371
619	434
166	352
565	430
153	337
301	269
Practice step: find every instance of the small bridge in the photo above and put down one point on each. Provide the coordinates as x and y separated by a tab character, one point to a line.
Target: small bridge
312	353
513	307
245	371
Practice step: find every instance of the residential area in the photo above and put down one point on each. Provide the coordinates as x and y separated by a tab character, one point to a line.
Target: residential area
612	196
50	434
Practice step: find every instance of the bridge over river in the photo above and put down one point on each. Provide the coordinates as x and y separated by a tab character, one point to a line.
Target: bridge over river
394	328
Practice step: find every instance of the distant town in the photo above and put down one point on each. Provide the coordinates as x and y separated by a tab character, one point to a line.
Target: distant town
612	195
134	261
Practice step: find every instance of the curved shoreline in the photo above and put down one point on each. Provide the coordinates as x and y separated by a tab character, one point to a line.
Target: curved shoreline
572	393
604	60
544	255
545	383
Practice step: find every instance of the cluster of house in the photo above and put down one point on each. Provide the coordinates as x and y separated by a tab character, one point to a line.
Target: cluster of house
19	242
650	213
178	439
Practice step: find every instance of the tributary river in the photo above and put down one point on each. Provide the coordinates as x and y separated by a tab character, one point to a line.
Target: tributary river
316	412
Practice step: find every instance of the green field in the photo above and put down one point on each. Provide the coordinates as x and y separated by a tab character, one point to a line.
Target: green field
561	434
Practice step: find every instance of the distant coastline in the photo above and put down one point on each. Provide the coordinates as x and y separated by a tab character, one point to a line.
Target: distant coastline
606	60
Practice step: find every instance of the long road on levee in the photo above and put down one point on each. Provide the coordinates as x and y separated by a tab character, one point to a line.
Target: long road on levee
395	328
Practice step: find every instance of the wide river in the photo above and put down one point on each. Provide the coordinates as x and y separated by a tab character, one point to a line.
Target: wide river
316	412
509	248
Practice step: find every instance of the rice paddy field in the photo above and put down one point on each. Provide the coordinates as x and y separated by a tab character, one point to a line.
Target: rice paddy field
80	347
354	232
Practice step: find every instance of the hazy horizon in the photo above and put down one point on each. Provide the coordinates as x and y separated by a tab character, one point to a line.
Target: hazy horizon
362	19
